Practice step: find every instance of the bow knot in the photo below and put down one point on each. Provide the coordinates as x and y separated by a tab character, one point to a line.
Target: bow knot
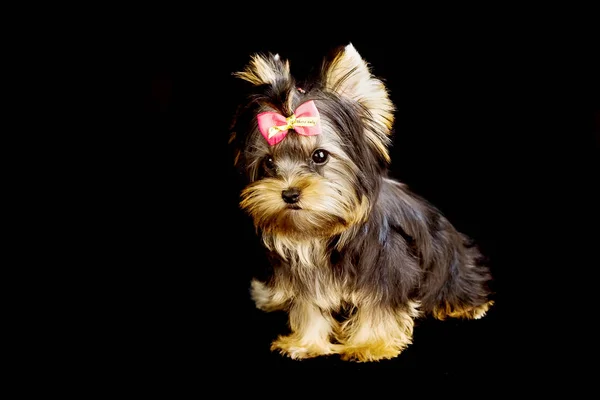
304	121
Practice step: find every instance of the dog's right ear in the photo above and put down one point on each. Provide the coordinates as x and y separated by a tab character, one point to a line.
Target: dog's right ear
265	70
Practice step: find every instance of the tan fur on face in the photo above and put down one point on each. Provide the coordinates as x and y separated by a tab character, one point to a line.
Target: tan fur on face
328	203
324	210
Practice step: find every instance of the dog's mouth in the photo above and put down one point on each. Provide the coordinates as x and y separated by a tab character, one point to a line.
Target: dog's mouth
293	207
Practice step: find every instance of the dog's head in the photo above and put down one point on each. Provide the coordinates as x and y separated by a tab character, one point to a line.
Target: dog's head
313	153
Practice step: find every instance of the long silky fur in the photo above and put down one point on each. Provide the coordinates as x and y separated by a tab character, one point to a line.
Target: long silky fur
363	246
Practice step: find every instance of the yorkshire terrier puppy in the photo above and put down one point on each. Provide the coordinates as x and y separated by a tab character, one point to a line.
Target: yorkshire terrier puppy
356	257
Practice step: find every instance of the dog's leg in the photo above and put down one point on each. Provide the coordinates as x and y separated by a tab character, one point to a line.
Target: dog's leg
311	330
374	333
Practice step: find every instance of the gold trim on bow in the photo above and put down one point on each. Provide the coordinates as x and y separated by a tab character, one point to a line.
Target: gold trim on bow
291	122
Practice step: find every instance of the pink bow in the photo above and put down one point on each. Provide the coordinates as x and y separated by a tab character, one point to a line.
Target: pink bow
305	121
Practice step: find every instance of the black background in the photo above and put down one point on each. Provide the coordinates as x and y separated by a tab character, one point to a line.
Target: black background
482	131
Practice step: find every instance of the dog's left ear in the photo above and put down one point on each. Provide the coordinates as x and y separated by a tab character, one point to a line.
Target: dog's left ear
349	76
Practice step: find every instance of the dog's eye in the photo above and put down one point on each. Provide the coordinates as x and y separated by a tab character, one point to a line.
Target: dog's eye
320	156
269	163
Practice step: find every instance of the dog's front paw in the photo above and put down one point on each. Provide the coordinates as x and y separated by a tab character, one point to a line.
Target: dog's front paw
369	352
266	298
293	347
261	295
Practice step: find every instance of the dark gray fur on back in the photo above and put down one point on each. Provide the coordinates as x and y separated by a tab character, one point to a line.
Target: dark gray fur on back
407	250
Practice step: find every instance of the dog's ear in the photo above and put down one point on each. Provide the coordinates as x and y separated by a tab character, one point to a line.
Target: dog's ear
265	70
347	74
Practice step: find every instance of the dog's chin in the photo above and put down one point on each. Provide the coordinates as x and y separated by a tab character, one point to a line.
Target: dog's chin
295	221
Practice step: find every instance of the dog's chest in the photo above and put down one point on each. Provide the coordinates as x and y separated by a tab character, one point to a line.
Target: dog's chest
307	271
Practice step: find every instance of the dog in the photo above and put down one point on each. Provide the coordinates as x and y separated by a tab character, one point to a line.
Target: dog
356	256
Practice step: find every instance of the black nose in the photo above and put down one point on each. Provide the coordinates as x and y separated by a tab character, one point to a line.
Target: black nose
291	195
